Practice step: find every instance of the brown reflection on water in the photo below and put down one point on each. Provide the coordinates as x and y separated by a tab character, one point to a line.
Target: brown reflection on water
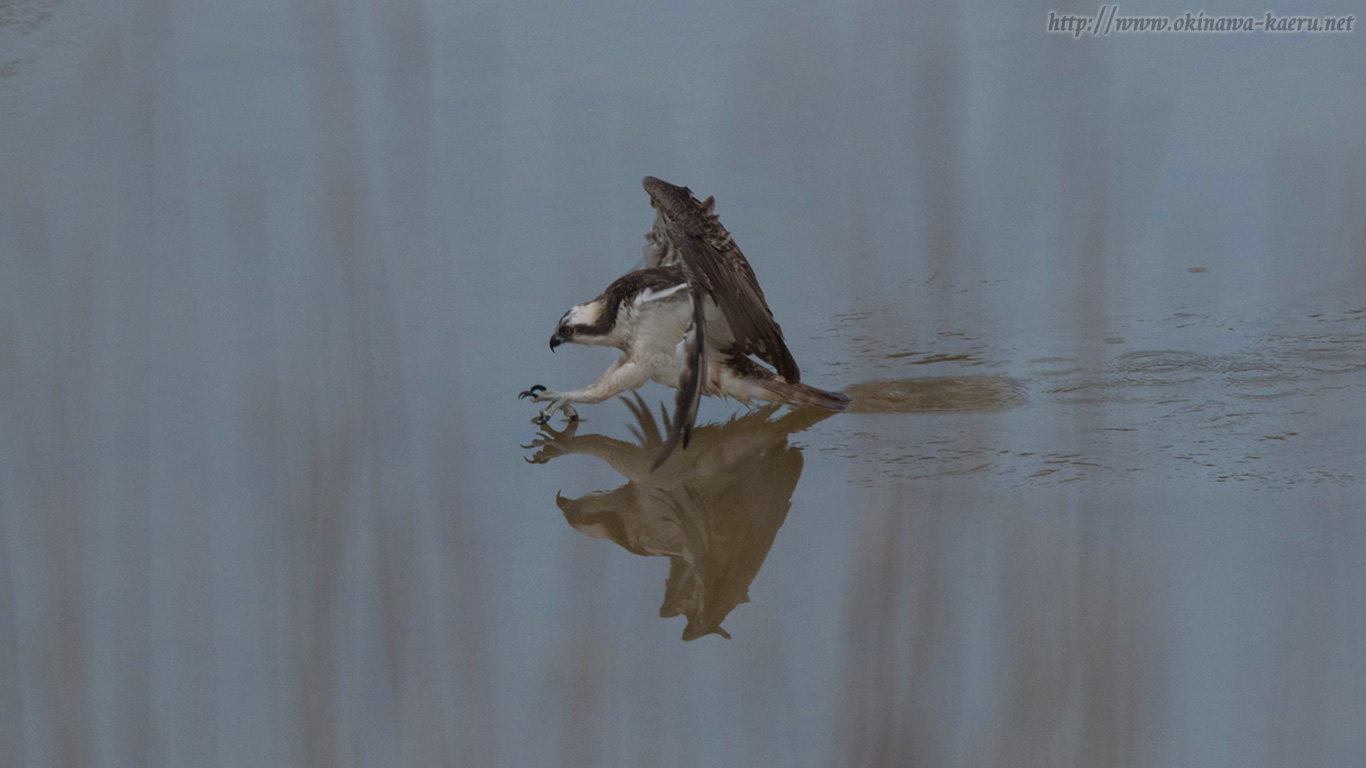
713	510
944	394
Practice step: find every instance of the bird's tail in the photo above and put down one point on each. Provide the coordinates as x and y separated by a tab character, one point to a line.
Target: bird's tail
796	393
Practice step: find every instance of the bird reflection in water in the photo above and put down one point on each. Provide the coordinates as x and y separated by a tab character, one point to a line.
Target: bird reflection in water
713	510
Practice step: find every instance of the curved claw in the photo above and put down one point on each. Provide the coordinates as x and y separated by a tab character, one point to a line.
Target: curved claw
540	418
538	442
531	392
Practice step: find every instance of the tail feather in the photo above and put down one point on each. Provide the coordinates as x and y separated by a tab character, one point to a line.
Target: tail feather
796	393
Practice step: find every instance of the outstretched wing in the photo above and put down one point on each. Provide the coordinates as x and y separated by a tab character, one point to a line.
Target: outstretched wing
714	266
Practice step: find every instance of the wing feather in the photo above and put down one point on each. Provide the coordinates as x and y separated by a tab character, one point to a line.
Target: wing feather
689	234
711	261
690	382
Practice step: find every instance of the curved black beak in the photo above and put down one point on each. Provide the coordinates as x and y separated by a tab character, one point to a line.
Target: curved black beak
555	342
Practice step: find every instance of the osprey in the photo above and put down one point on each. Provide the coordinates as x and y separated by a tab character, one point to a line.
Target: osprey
690	319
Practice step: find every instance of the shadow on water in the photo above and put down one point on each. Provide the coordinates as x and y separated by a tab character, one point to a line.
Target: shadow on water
713	510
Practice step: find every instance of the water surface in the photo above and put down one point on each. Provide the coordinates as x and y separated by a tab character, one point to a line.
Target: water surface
271	276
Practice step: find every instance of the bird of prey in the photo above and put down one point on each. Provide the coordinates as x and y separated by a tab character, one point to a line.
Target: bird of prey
691	319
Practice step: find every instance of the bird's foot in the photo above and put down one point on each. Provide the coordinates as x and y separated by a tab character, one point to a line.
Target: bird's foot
558	402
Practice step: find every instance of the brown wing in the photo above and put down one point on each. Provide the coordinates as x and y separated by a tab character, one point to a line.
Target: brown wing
690	384
711	261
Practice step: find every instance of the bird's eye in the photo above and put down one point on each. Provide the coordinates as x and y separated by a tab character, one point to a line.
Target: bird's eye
567	331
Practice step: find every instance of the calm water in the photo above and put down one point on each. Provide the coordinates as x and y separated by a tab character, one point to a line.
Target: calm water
271	276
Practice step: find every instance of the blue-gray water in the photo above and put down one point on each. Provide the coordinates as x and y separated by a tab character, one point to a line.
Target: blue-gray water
271	276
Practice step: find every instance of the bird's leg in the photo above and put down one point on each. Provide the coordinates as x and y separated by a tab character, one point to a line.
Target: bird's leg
558	401
621	376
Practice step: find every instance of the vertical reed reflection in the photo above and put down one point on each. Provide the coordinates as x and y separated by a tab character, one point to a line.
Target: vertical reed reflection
11	671
878	706
44	395
384	516
1027	646
219	525
258	448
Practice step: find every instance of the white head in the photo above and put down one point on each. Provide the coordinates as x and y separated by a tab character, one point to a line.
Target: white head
587	323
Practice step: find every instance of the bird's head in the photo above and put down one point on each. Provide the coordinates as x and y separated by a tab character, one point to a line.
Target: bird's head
586	323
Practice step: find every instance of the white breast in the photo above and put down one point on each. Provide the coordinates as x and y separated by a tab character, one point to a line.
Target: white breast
651	326
654	324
